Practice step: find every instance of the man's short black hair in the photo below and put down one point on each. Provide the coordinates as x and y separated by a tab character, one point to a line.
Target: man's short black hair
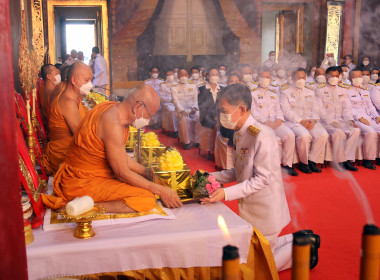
151	68
45	70
222	65
194	68
95	49
333	69
356	69
299	69
272	52
237	94
211	68
375	68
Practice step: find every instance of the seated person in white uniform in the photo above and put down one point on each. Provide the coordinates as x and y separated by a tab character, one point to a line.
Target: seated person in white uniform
257	171
169	120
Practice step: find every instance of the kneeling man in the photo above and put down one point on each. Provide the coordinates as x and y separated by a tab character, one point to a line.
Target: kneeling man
97	164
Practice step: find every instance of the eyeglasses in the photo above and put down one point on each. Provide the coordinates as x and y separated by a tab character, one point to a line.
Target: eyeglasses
149	114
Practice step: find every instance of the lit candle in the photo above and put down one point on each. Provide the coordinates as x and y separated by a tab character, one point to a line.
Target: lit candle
301	256
370	261
28	110
231	262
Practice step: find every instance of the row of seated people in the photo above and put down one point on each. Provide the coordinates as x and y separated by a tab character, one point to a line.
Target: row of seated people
304	115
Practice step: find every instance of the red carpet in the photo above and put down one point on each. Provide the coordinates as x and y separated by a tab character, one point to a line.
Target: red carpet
323	203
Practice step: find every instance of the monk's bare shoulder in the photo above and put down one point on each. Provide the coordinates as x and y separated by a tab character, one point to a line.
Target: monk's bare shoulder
109	123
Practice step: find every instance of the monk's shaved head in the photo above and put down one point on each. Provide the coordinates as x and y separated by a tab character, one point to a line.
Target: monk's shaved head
81	71
147	95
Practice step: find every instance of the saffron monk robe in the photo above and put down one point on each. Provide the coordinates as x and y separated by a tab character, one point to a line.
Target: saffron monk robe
97	164
65	113
52	78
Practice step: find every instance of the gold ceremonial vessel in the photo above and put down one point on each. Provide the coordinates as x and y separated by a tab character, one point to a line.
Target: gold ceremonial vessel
178	180
84	228
132	139
149	154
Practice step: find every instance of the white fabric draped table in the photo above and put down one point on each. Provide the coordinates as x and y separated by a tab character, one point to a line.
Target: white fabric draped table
193	239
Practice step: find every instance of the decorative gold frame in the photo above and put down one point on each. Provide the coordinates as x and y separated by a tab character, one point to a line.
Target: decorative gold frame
333	28
51	4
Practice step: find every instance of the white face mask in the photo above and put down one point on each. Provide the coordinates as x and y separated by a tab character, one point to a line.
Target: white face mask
155	75
140	122
175	75
264	82
312	73
214	79
57	79
183	80
340	78
274	74
300	83
333	81
85	88
247	78
290	80
330	59
272	58
170	78
254	76
366	79
365	62
195	76
345	75
357	82
321	79
281	73
222	73
374	77
225	120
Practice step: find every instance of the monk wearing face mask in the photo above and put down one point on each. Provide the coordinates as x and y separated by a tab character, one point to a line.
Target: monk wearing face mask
98	166
65	113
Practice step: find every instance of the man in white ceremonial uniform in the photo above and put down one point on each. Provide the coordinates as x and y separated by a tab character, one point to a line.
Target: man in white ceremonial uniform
375	96
320	79
281	80
271	61
366	118
169	120
185	99
246	76
100	80
345	75
259	188
266	109
301	111
337	118
195	77
155	82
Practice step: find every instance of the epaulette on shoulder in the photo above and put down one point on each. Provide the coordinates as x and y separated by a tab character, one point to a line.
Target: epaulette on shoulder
365	88
311	83
285	87
191	82
146	80
309	87
344	86
322	85
256	83
254	130
162	83
378	84
254	89
372	83
273	85
161	79
272	90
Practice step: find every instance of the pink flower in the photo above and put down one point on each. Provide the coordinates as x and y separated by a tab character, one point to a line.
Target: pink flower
211	178
215	185
209	189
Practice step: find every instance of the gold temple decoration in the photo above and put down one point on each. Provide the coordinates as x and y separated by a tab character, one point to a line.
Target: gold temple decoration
84	228
38	33
333	27
30	134
24	58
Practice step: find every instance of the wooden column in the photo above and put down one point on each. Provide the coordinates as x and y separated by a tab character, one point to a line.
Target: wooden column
13	255
348	28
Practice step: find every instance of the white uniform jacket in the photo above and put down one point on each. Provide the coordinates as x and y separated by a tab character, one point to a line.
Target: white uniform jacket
185	96
266	105
258	173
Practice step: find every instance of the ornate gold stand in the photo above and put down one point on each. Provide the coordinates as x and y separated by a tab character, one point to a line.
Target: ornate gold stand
84	228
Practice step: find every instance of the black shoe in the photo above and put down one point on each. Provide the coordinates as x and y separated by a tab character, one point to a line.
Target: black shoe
304	168
315	243
175	134
348	166
313	167
377	161
196	145
369	164
289	170
187	146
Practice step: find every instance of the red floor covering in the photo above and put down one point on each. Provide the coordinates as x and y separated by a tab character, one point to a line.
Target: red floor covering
321	202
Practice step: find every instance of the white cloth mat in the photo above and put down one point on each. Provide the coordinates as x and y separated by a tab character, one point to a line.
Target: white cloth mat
193	239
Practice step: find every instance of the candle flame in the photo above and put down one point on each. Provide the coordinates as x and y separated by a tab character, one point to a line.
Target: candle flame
223	227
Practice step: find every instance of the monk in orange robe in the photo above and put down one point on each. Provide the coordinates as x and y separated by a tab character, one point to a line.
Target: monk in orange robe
65	113
97	164
52	78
